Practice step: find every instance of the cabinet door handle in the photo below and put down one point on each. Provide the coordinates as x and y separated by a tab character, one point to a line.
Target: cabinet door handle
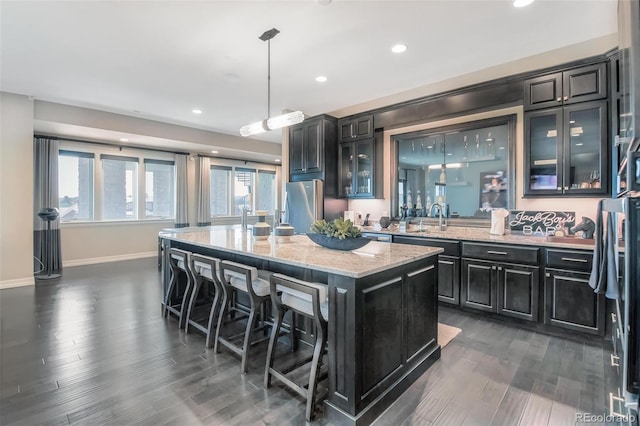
572	259
547	274
566	188
559	99
612	412
499	268
559	188
615	361
614	318
502	253
493	268
566	98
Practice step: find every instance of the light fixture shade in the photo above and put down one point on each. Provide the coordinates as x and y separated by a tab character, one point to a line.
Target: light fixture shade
285	120
254	128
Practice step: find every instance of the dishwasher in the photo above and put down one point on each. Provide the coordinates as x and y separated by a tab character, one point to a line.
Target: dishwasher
384	238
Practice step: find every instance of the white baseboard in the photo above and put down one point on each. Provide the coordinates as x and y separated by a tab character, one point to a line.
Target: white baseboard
20	282
93	260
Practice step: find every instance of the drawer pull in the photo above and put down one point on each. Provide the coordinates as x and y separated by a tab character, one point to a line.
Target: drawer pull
501	253
614	318
615	361
573	259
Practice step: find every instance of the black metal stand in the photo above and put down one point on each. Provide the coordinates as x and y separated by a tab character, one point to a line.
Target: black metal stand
48	215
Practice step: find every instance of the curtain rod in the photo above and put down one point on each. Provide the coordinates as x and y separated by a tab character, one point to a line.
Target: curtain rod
62	138
238	159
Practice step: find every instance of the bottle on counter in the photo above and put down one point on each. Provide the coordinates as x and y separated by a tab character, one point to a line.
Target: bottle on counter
409	200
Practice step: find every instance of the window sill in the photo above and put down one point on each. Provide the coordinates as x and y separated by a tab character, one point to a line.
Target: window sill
125	222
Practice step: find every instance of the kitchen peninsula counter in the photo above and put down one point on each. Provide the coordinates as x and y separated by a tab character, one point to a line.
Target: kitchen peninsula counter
383	310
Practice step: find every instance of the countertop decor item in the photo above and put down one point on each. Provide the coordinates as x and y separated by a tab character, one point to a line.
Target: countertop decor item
261	229
338	234
337	243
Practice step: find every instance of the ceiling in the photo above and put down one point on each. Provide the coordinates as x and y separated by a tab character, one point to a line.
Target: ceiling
159	60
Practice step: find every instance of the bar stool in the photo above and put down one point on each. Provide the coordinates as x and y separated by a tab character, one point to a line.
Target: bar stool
178	261
237	277
310	300
206	270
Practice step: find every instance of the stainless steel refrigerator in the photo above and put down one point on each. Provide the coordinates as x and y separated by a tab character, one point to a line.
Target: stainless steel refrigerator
306	203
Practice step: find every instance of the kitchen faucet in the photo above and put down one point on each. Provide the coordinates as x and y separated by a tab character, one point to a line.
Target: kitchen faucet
245	211
440	209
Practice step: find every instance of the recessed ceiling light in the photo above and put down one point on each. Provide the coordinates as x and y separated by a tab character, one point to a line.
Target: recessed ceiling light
399	48
321	79
124	140
214	152
196	111
522	3
277	160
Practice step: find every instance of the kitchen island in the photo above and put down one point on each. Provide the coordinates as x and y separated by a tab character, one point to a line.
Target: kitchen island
383	309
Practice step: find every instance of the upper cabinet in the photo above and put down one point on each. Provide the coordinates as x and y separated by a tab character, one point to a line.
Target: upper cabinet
567	87
313	151
360	127
360	170
566	147
566	151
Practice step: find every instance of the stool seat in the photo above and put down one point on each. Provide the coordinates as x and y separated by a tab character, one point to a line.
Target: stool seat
259	279
206	272
176	298
310	300
302	302
248	280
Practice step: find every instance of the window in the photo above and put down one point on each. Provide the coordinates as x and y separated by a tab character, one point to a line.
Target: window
75	185
244	185
137	186
220	190
235	187
119	187
267	191
159	179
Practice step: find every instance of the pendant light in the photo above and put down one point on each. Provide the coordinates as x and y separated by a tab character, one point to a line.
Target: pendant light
271	123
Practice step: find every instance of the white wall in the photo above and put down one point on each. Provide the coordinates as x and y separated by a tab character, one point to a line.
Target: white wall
16	190
582	206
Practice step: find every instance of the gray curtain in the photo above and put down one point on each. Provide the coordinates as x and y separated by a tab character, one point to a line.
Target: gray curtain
203	194
182	214
46	248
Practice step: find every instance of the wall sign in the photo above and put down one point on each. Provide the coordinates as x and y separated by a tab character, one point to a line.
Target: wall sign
540	223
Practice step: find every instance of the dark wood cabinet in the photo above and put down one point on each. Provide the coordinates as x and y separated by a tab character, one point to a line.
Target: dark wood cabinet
502	279
448	266
566	151
503	288
360	168
352	128
568	87
313	152
570	302
478	289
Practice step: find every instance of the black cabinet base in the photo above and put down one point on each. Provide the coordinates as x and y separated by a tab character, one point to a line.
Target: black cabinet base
372	411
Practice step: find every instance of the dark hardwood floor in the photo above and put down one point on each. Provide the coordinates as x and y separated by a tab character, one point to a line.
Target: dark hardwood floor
92	348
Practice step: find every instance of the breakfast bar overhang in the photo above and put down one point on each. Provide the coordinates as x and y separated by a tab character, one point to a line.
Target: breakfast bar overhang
383	310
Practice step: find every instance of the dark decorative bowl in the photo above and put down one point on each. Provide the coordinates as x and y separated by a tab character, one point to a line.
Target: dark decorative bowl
337	243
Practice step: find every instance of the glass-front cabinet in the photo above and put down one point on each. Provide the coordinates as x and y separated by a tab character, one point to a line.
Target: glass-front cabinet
473	160
566	151
356	169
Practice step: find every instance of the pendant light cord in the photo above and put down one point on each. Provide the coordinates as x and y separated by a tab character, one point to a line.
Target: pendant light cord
268	79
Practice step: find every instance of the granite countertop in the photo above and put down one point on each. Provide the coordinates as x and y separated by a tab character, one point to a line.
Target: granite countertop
299	250
480	235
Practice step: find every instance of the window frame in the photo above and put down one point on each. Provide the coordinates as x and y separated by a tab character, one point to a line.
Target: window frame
100	151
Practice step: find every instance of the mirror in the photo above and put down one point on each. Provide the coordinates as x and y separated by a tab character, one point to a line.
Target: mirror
475	160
